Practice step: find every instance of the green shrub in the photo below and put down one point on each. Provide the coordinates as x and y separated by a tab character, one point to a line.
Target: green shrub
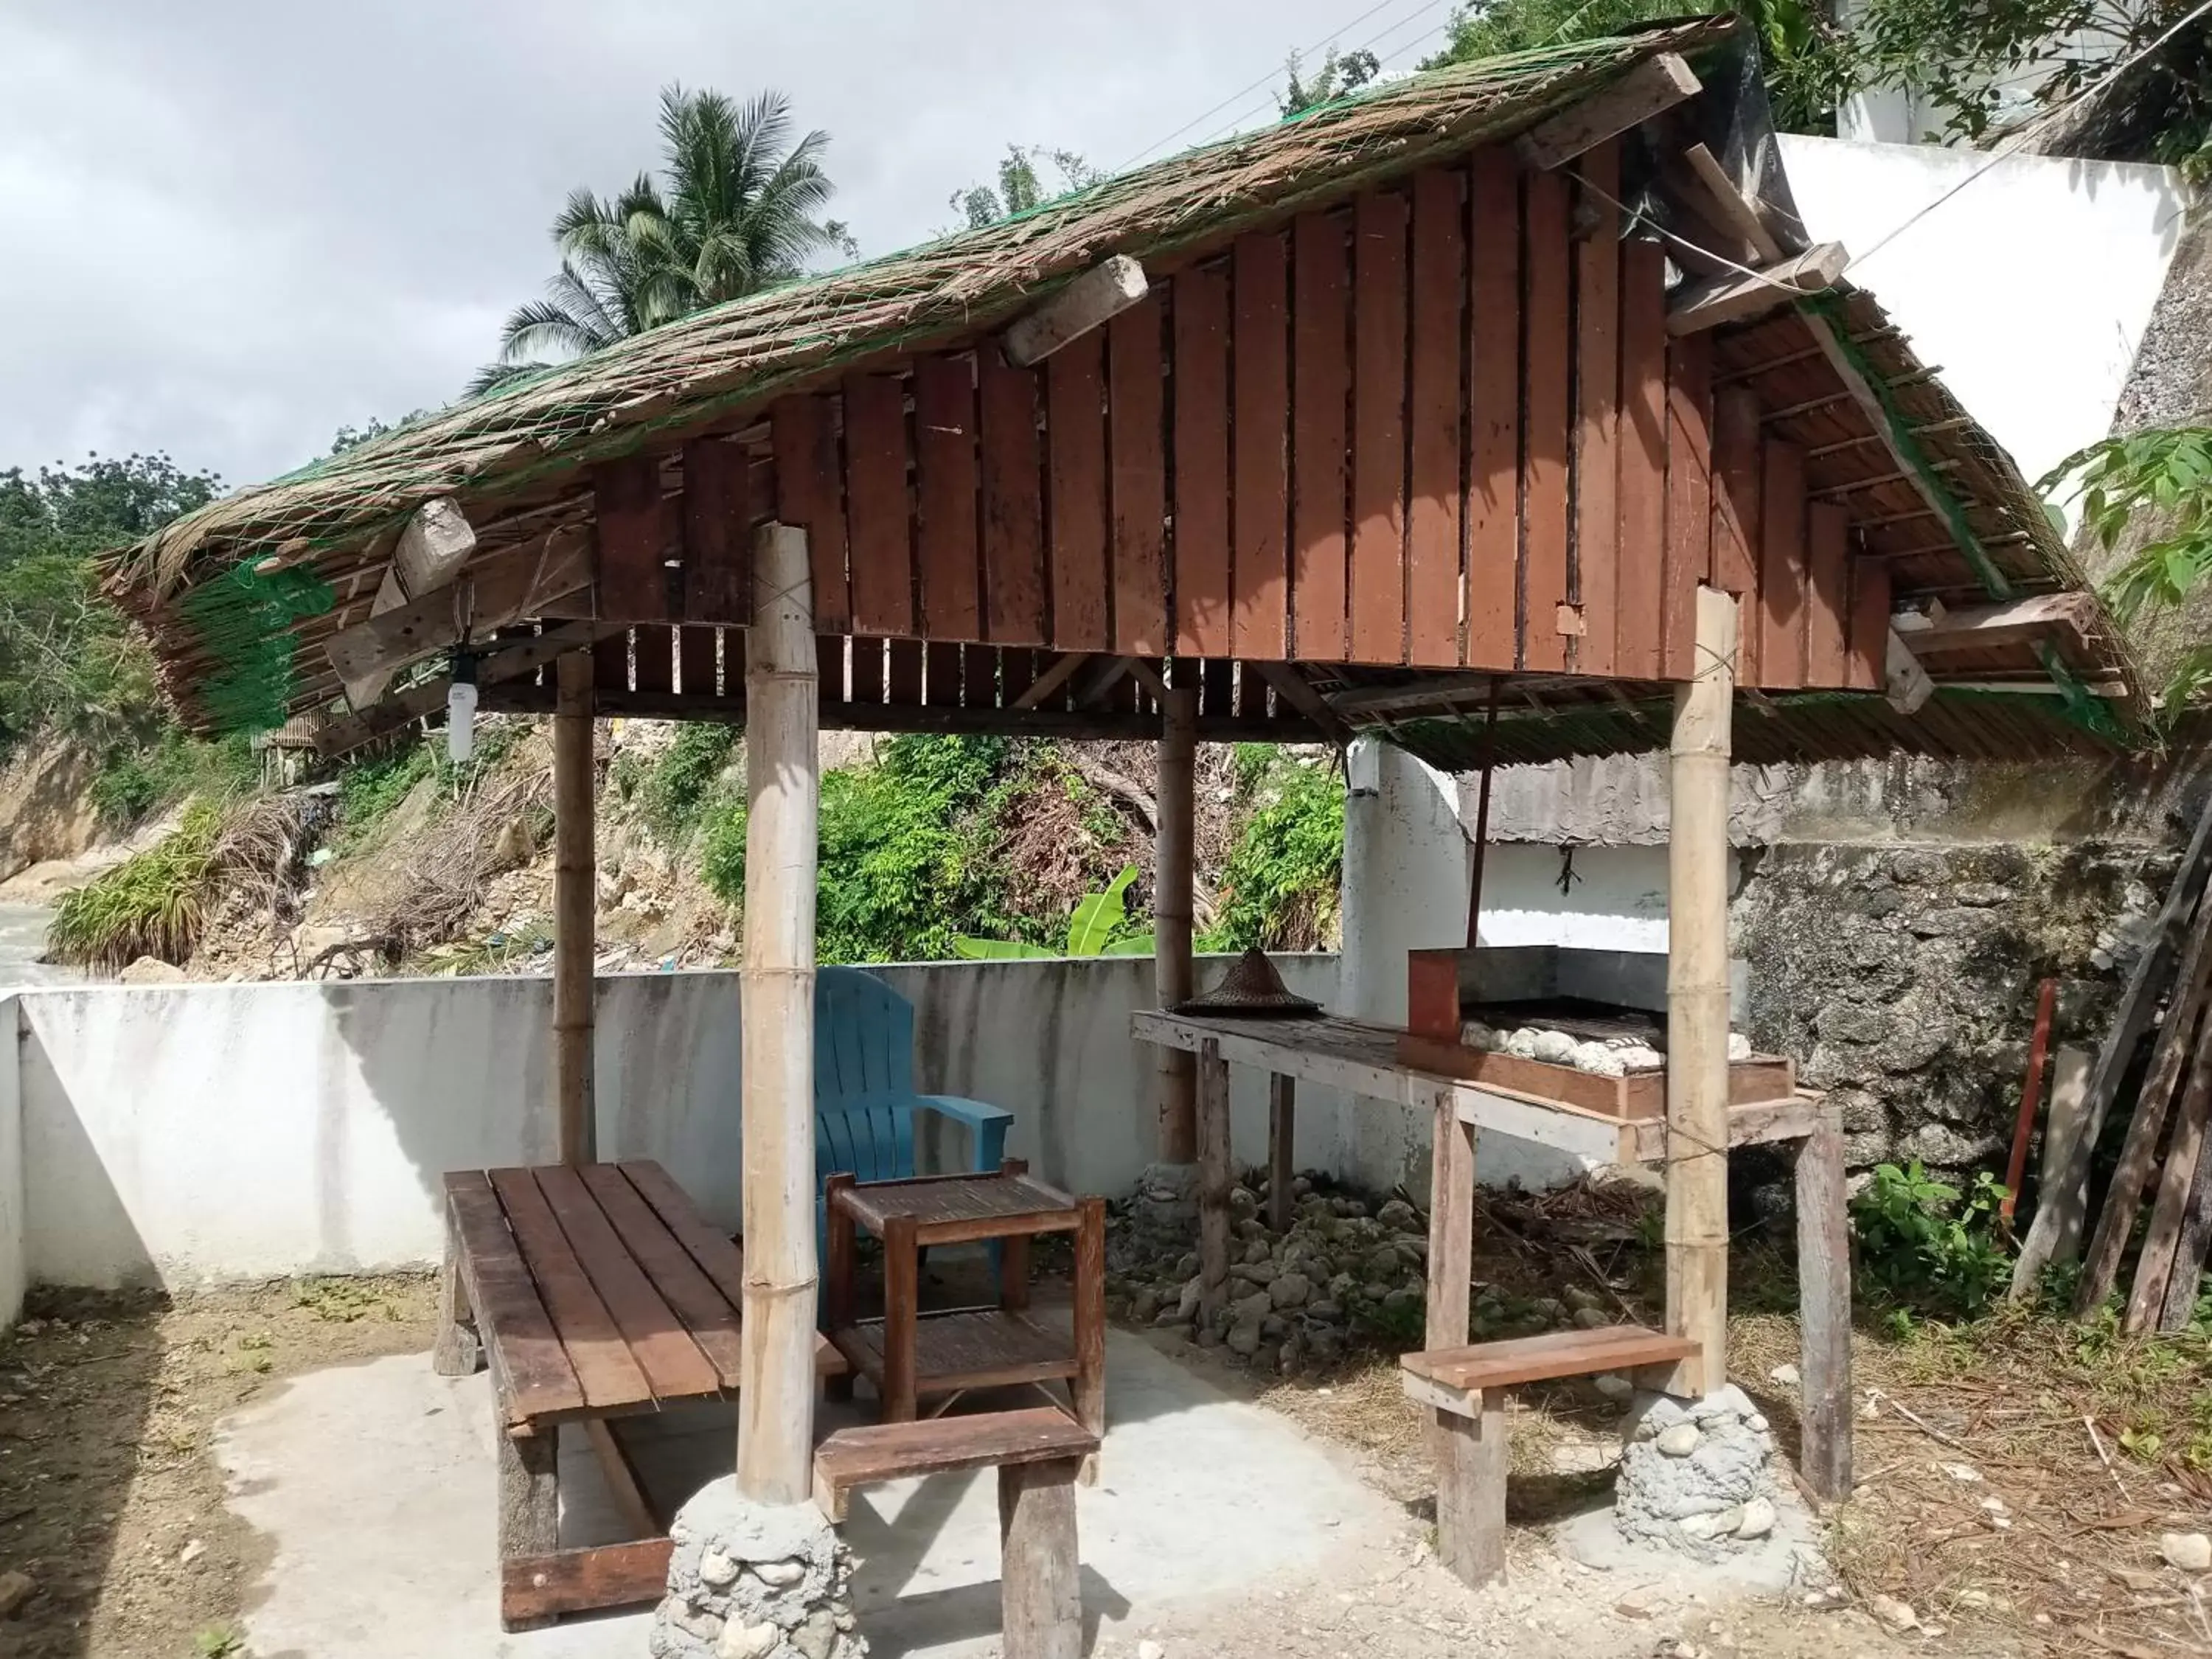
151	905
1282	886
370	790
133	783
1924	1245
673	791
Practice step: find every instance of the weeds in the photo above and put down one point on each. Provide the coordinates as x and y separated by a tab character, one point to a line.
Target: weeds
675	789
152	905
1926	1247
343	1301
1281	886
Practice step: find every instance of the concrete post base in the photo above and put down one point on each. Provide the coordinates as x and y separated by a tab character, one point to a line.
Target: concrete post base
754	1581
1696	1476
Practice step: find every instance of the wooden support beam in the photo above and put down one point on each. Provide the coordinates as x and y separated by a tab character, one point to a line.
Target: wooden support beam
1174	1101
1100	676
1040	1570
1824	1311
1651	87
1095	297
432	545
1733	296
1052	679
575	945
1737	210
1297	691
1215	1177
1282	1131
1905	684
1697	1233
509	662
776	1406
491	593
2070	616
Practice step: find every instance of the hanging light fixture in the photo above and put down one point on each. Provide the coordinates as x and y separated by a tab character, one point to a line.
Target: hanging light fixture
461	709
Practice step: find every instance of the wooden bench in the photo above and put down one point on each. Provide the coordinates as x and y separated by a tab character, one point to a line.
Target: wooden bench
1039	1453
594	1293
1468	1386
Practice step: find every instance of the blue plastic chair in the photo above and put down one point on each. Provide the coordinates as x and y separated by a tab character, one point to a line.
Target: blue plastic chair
864	1097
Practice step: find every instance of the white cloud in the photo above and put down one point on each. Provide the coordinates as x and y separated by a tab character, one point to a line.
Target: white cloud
228	228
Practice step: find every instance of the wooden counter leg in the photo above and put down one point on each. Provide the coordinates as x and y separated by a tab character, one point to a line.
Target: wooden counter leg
902	1302
1089	1388
457	1351
1823	1302
1282	1125
1213	1179
529	1504
1039	1576
1471	1468
837	1304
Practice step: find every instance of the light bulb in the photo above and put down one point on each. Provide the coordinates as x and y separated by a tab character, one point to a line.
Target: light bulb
461	721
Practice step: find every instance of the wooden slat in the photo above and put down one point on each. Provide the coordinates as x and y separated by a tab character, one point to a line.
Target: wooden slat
1075	431
873	1453
809	493
1828	600
610	663
1642	461
663	1349
941	674
709	1316
1378	429
1439	284
535	1376
1135	375
1201	461
1597	521
605	1368
829	669
535	1586
1869	666
1737	480
717	533
1320	353
1545	434
876	498
1784	578
1259	617
1688	558
1013	509
654	650
1493	431
904	683
946	468
1556	1353
697	665
867	671
638	537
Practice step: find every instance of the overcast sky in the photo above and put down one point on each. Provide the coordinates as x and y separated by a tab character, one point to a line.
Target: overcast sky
228	229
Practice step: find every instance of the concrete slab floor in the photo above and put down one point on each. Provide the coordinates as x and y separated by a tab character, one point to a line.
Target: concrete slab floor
376	1484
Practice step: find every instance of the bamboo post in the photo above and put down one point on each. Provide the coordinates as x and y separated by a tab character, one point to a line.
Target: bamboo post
575	948
1698	1000
776	1404
1176	1078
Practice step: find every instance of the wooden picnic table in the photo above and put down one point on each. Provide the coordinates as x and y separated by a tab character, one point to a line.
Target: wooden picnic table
594	1292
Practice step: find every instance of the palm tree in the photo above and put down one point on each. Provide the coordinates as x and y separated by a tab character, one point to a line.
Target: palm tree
737	212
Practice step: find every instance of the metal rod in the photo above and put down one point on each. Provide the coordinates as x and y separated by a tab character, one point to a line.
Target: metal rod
1482	817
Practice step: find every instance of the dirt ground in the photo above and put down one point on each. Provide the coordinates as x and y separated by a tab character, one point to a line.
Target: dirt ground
111	1499
1983	1503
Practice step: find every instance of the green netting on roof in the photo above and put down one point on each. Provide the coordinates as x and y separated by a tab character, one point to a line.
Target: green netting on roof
244	618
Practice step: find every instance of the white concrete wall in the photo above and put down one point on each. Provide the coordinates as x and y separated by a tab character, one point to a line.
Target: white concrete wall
206	1131
13	1275
2030	287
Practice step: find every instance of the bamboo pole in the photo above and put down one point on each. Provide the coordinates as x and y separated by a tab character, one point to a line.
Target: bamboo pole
1698	998
775	1404
1176	1086
575	948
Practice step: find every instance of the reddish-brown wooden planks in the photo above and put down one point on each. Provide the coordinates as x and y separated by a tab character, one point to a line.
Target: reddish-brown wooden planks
1736	483
663	1349
610	663
637	538
1258	615
655	658
1689	550
808	494
1493	466
1135	374
1433	580
1323	371
603	1365
1782	568
1013	506
1639	594
1870	642
1546	436
1378	429
696	664
876	502
903	677
717	533
1075	435
1597	408
1201	461
945	469
1828	600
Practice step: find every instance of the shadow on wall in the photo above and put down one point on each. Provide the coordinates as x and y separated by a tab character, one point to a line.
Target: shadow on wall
175	1135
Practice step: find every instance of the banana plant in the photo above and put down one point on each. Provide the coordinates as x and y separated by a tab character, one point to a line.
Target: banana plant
1094	930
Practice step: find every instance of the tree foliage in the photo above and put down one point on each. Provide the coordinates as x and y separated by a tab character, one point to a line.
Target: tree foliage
1283	883
1340	73
737	208
1023	183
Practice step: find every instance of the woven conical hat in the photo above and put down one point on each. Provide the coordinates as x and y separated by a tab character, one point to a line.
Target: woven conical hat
1250	987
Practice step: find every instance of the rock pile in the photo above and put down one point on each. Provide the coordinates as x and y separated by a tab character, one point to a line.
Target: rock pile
1696	1476
1349	1272
750	1581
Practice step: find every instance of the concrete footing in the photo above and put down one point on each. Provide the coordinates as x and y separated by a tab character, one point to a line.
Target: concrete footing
1696	1476
754	1581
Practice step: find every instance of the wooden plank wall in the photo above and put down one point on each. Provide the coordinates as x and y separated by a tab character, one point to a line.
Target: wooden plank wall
1441	425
